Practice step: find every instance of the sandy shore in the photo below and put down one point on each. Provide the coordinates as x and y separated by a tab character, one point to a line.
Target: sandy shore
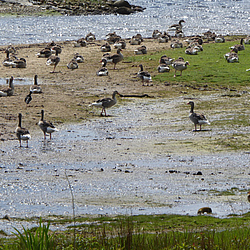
66	93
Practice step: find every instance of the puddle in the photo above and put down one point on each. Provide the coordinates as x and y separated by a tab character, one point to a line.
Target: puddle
121	164
18	81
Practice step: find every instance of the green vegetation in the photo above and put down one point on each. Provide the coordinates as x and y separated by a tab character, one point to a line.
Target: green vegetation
138	232
209	68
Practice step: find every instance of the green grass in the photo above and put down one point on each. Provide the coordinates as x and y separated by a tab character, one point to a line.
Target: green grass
209	67
138	232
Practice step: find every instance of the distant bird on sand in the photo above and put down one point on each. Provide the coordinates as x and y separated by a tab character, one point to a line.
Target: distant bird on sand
103	71
144	75
35	89
106	103
28	98
22	133
46	126
199	119
53	60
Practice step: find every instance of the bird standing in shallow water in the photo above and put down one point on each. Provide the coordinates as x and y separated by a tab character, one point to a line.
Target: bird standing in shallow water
106	103
46	126
197	118
22	133
28	98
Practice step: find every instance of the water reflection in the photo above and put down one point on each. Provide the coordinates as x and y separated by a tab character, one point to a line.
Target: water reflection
223	17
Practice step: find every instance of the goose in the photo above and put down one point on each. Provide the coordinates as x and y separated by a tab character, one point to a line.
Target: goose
7	62
56	49
177	26
144	75
90	37
19	63
176	44
163	38
156	34
248	196
199	119
166	60
116	58
180	65
9	91
195	45
46	126
136	40
22	133
80	43
232	57
28	98
53	60
141	50
247	40
105	48
106	102
219	39
35	89
112	38
163	68
240	46
44	53
72	64
191	51
78	58
120	44
103	71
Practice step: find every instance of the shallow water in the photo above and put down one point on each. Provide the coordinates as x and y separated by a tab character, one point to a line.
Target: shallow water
121	164
223	17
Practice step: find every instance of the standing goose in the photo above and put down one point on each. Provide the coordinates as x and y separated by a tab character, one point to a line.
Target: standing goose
144	75
106	103
10	90
116	58
46	126
197	118
22	133
35	89
53	60
180	65
177	26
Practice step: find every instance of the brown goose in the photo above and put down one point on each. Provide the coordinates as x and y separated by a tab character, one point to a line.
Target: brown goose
44	53
106	103
46	126
10	90
72	64
36	89
177	26
53	60
240	46
197	118
116	58
180	65
22	133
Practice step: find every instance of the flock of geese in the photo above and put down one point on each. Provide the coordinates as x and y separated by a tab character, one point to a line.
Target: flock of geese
51	53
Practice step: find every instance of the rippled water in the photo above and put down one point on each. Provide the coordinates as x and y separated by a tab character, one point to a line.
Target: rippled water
223	17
